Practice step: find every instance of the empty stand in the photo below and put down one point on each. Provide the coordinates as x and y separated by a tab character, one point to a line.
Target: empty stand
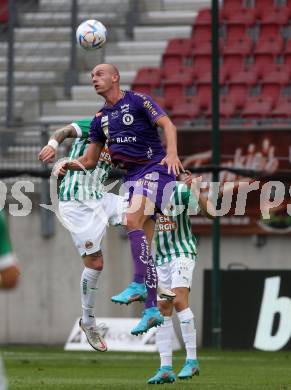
257	107
147	79
186	109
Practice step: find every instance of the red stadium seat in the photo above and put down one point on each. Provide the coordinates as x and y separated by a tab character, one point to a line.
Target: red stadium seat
175	51
242	45
4	11
186	109
276	15
203	18
234	61
282	108
204	94
241	16
202	48
287	53
246	76
257	107
275	73
267	49
269	30
175	85
226	108
238	95
201	33
271	91
146	79
236	31
232	4
261	5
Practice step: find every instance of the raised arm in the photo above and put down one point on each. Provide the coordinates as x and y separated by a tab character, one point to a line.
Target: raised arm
206	206
48	152
172	160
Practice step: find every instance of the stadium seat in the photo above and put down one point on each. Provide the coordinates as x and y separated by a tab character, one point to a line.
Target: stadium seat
226	108
232	4
203	18
262	5
238	16
257	107
269	30
238	94
147	79
276	15
234	61
201	48
204	94
267	49
201	33
287	53
3	11
235	31
176	51
245	76
271	91
186	109
275	73
242	45
175	85
282	108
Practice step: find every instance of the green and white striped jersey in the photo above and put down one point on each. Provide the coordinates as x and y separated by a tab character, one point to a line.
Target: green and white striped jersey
5	245
77	185
173	235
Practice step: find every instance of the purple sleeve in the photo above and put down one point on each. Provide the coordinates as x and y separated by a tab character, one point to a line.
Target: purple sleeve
96	134
152	110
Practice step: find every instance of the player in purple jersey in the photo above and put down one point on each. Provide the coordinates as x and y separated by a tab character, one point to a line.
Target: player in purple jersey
129	122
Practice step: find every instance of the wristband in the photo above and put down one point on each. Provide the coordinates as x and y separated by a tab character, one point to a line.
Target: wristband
54	144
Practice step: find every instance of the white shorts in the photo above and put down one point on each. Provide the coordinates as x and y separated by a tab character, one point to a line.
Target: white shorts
7	261
177	273
87	220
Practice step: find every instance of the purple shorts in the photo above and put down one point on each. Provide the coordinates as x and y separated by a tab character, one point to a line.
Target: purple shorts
153	182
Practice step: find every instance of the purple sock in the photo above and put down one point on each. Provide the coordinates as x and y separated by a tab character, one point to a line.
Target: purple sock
151	284
140	254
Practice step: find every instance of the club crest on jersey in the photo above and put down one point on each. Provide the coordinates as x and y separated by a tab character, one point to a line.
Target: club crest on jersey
127	119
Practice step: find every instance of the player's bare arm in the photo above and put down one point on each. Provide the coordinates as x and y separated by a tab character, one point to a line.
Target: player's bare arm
88	160
206	207
172	160
48	152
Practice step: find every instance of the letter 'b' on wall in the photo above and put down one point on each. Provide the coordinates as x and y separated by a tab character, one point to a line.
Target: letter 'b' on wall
271	305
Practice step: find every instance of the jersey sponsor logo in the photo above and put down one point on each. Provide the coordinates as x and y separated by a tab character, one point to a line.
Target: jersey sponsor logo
166	224
148	105
127	119
124	108
140	95
104	119
105	155
125	140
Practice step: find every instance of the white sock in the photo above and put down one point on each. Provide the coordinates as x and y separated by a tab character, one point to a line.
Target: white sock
88	287
164	341
188	330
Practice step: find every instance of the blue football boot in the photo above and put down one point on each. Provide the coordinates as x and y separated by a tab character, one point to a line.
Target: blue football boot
151	318
165	374
134	292
190	368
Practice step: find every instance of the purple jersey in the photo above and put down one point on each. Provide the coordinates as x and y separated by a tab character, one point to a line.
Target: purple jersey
130	128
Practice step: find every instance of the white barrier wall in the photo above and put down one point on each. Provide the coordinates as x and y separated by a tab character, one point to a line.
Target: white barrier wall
46	304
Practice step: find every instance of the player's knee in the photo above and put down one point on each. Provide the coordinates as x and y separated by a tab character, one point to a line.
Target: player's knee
9	278
166	308
94	261
180	303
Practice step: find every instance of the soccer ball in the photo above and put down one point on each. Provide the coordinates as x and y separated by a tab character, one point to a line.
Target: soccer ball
91	34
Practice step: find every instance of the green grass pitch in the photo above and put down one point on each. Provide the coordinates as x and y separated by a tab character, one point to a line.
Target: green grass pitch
52	368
